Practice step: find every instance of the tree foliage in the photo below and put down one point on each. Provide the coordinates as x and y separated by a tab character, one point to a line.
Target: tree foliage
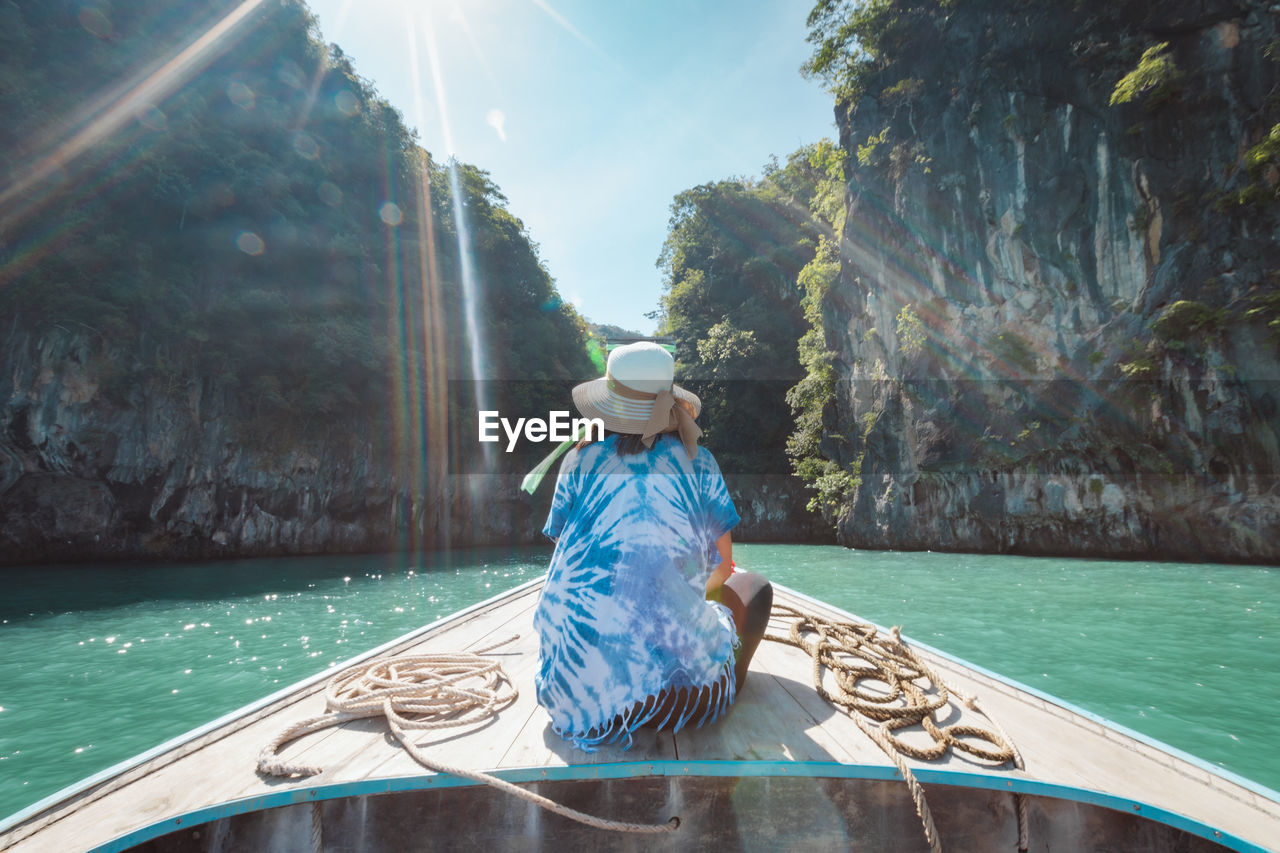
1156	77
733	252
270	228
811	399
855	39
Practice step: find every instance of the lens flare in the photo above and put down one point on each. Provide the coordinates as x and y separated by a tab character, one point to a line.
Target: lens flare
109	113
391	214
250	243
466	261
130	111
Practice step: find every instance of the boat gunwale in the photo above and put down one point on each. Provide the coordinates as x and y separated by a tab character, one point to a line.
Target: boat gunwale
677	769
244	714
1253	787
233	721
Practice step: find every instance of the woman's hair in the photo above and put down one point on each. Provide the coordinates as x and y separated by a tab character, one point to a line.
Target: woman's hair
629	443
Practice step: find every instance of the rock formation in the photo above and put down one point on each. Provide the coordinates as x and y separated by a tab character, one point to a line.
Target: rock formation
1051	324
167	474
164	474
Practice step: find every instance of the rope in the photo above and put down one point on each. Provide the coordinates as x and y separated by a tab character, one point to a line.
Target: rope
426	692
855	652
1020	802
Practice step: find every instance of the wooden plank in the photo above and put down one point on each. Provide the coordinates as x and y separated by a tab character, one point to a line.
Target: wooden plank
794	671
778	717
1068	751
767	722
1066	748
155	789
1062	747
354	750
532	744
222	763
198	779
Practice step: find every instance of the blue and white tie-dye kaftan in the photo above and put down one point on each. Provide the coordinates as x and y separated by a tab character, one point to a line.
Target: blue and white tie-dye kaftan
623	614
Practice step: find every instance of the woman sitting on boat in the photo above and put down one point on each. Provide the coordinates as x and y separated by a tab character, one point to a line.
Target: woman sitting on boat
643	619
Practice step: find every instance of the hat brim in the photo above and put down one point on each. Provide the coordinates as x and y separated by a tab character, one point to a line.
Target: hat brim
621	414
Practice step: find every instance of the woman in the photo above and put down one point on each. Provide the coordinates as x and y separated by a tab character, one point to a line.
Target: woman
642	618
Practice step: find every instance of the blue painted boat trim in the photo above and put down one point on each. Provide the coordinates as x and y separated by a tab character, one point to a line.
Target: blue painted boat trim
706	769
1199	763
623	770
253	707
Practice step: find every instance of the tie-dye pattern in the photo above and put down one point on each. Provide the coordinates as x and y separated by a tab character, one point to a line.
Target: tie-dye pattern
623	614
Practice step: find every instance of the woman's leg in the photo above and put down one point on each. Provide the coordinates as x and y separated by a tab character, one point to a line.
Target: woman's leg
749	597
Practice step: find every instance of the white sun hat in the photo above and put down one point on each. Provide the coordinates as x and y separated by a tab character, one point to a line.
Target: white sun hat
638	396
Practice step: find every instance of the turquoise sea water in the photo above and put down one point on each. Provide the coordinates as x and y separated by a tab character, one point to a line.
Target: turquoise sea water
101	663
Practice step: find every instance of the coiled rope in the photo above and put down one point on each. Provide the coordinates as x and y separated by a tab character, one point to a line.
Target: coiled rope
856	652
423	692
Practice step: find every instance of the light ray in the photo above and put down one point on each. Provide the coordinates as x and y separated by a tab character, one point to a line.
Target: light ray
107	115
437	85
436	439
475	46
344	12
568	27
425	400
466	265
415	70
565	24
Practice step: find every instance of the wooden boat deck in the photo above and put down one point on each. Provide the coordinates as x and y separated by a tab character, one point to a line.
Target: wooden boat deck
779	724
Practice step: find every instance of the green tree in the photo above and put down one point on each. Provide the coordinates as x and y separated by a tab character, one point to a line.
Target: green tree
270	229
730	263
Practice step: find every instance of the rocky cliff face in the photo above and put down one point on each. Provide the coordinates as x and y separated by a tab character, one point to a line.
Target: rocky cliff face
1051	322
160	472
773	509
166	473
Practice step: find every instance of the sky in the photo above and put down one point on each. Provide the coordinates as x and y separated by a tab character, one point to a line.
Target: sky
591	115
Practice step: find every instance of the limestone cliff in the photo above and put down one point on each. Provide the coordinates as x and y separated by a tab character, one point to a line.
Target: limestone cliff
165	473
233	326
1054	326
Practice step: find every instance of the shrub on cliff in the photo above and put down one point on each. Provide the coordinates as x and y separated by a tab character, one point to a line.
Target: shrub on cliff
1156	78
1187	321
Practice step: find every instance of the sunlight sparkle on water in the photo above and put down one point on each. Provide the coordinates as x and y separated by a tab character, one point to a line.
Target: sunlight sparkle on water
1175	700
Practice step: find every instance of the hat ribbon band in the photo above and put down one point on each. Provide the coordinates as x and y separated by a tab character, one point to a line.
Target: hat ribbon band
666	416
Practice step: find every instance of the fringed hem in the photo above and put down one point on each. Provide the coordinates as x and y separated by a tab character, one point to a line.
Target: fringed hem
682	710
